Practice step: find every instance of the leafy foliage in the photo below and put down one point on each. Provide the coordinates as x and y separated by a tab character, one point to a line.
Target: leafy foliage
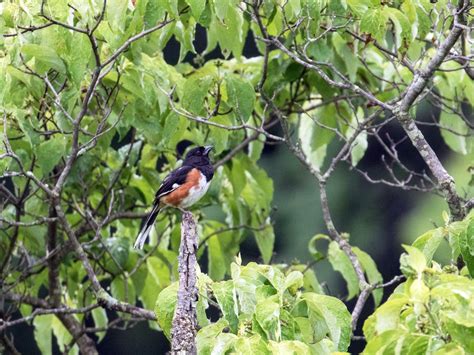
430	313
93	110
267	308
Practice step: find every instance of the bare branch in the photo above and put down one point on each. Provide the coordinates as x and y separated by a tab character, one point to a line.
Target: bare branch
184	326
419	83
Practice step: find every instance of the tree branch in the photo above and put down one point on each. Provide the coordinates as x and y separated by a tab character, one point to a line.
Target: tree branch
419	83
183	332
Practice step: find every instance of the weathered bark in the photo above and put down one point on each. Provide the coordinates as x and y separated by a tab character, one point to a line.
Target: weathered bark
419	83
183	331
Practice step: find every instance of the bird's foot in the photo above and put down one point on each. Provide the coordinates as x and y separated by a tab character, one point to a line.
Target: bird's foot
183	210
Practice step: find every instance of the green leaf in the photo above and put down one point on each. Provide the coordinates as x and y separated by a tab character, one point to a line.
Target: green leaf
42	333
386	317
265	240
340	262
184	34
346	53
251	344
158	268
429	242
226	298
374	21
221	9
63	337
219	136
115	14
45	56
194	92
288	347
212	337
246	279
466	243
50	152
413	262
241	96
359	7
197	7
305	134
230	32
461	333
373	274
401	23
267	314
123	290
100	321
118	254
454	134
358	148
77	60
419	292
222	248
294	281
313	250
164	308
335	315
325	121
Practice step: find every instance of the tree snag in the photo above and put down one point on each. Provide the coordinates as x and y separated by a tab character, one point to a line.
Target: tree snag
183	331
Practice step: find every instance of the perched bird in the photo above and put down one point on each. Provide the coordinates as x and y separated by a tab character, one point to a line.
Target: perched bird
182	188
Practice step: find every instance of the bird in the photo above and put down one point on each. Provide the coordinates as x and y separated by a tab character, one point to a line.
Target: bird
181	188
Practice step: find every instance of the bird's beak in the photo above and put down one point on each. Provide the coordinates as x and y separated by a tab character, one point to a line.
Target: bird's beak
207	149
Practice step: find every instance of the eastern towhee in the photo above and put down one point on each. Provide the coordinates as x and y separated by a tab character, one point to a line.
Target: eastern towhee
182	188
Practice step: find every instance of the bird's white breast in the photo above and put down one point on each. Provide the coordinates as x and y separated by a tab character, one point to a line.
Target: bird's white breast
196	192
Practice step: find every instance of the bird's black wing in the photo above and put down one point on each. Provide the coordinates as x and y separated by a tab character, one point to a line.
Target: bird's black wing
175	179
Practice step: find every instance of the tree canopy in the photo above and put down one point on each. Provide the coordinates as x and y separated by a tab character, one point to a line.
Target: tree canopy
92	112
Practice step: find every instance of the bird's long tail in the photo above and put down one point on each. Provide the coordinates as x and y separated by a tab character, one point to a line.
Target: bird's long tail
150	220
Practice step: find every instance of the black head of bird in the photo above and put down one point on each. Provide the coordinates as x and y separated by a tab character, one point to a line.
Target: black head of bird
198	156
